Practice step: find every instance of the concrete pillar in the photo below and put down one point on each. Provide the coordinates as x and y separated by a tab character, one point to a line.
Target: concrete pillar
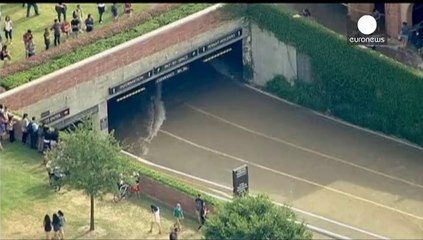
247	53
356	10
393	19
101	118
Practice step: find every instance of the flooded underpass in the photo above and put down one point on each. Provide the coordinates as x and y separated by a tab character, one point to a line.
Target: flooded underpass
203	121
136	116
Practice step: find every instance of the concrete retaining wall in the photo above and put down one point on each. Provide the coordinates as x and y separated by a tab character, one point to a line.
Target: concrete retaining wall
271	57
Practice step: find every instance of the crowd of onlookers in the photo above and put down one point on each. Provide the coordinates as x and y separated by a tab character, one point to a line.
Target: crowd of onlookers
61	26
40	137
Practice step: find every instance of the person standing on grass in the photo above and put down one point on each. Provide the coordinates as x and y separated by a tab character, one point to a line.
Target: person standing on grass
33	131
40	133
56	226
179	215
24	127
30	49
27	37
56	31
155	212
8	28
46	36
47	226
66	27
4	54
62	224
61	9
128	9
75	26
101	9
199	202
89	23
115	11
28	8
77	13
11	128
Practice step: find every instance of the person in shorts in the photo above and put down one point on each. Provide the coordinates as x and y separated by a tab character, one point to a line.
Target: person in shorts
155	212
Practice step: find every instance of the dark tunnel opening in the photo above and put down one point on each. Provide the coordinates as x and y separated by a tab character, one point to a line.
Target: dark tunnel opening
134	115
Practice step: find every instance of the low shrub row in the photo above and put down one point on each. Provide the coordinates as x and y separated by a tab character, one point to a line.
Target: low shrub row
88	45
355	84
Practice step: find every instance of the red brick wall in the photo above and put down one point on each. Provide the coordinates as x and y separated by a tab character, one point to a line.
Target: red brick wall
169	196
109	63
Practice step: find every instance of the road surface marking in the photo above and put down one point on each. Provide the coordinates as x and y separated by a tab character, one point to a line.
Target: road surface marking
303	148
395	139
230	189
349	195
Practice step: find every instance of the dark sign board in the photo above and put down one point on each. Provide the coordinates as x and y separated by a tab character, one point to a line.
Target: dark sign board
45	114
130	83
56	116
172	73
240	180
176	62
219	42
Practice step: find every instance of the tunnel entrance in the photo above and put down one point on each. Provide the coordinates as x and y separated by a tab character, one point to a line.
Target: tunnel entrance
136	116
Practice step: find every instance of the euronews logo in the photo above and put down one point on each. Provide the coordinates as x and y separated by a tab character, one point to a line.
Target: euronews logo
365	32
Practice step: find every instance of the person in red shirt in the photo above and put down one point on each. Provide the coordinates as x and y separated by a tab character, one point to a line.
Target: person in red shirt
66	27
128	9
27	37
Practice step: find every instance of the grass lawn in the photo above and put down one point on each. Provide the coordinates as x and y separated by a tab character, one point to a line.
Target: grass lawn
37	24
26	197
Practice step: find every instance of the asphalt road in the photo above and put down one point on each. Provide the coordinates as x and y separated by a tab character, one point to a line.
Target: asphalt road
295	156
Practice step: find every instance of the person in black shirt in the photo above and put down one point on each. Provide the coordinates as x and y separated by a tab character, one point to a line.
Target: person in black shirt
75	25
199	202
89	23
47	226
203	216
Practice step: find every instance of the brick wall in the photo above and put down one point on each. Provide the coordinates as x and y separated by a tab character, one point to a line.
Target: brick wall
169	196
93	69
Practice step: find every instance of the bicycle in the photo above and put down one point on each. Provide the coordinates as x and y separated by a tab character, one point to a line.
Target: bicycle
123	192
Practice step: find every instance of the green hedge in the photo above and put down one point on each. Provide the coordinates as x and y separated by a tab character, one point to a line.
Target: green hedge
355	84
86	51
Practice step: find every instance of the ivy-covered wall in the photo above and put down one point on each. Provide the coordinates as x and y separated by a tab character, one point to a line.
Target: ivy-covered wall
355	84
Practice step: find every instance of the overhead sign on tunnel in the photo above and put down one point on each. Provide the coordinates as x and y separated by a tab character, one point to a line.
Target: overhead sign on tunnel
178	61
219	42
131	83
167	69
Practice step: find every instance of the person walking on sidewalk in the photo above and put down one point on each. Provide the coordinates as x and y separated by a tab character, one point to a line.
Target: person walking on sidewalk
179	215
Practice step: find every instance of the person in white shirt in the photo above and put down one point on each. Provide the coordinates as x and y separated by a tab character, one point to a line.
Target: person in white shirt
8	27
155	211
24	124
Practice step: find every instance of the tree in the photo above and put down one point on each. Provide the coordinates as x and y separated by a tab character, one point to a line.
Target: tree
91	159
254	218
